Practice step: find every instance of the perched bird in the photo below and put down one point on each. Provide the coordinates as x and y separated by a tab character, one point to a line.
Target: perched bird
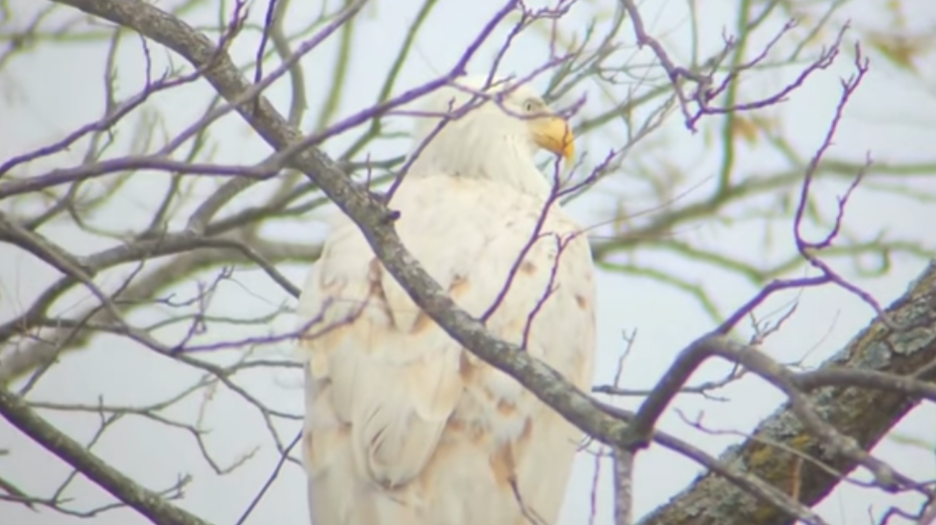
403	425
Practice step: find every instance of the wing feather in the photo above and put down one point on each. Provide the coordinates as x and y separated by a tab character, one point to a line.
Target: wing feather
392	398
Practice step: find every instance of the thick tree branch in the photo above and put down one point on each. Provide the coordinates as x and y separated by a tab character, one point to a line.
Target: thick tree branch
367	210
864	414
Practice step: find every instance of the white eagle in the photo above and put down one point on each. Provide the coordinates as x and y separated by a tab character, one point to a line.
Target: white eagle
403	425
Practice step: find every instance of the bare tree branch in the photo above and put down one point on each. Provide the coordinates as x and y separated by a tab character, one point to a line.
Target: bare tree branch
144	501
863	414
369	213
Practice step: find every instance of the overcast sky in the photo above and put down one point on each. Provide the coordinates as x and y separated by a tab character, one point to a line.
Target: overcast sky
48	93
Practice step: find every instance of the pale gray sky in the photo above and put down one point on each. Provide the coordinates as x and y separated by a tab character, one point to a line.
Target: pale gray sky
50	92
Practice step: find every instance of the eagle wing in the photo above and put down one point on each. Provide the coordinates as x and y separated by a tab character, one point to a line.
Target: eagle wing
404	426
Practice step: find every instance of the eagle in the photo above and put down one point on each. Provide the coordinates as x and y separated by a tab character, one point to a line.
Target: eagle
403	425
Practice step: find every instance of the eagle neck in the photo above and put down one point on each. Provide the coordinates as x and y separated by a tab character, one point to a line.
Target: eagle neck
505	160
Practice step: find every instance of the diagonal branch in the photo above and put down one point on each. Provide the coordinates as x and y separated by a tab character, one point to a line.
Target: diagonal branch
863	414
367	210
148	503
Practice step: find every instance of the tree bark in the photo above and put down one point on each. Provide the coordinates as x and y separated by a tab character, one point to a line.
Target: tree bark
863	413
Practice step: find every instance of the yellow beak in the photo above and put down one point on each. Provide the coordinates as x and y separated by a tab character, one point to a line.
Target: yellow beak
553	134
